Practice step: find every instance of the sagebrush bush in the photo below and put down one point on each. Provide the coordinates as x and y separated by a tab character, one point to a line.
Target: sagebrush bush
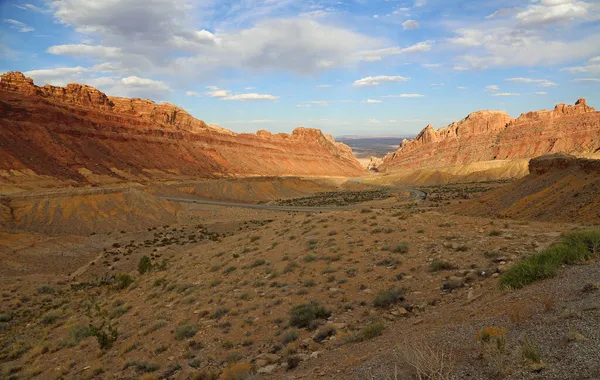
304	315
389	297
185	331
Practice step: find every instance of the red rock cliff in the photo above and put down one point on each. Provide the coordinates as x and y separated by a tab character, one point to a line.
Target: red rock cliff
494	135
64	132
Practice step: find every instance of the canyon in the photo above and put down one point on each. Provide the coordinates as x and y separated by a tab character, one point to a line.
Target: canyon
76	135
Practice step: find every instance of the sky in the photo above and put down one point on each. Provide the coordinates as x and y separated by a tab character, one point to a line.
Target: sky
348	67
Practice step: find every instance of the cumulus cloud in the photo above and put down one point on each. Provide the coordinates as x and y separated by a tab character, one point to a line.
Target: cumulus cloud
590	68
540	82
374	121
324	86
377	55
18	25
370	101
502	12
404	96
59	76
410	25
492	87
375	81
216	92
192	93
553	11
541	93
431	65
505	94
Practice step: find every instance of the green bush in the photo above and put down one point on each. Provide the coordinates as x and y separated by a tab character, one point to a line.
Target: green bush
79	333
575	247
122	281
389	298
290	336
51	317
185	331
45	289
401	248
324	333
439	265
145	265
304	315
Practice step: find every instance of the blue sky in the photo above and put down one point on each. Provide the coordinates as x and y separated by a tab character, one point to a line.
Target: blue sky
386	67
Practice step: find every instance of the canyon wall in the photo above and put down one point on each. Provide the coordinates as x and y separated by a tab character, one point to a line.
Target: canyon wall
53	136
494	135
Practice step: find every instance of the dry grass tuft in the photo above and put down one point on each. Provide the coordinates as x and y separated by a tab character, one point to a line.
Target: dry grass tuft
426	360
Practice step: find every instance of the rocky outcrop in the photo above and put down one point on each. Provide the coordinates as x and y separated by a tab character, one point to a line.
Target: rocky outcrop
558	188
494	135
78	135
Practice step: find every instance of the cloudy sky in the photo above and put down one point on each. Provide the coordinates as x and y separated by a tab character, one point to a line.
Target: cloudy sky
345	66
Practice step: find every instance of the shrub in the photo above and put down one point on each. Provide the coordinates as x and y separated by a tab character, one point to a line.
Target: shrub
304	314
142	366
575	247
324	333
145	265
309	258
229	269
290	336
401	248
122	281
185	331
439	265
45	289
495	233
389	297
79	333
51	317
531	351
371	330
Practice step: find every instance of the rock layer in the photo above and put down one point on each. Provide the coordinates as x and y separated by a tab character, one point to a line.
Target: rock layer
78	135
494	135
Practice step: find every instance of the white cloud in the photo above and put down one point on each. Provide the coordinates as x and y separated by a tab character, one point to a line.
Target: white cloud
80	50
404	96
133	86
377	55
505	94
372	101
374	121
431	65
59	76
251	96
595	69
216	92
541	93
324	86
410	25
594	60
512	47
29	7
192	93
375	81
420	3
492	87
462	88
590	80
553	11
541	82
18	25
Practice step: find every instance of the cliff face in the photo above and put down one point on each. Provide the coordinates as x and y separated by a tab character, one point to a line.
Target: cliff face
494	135
78	135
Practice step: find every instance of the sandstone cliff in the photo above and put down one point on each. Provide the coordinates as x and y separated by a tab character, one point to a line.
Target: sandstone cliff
494	135
77	135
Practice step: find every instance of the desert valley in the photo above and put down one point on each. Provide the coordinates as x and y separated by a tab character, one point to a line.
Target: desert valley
139	242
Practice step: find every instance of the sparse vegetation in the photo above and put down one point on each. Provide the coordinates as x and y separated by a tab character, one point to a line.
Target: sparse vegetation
305	314
439	265
389	298
575	247
185	331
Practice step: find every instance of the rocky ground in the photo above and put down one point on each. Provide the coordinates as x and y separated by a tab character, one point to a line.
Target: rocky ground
242	293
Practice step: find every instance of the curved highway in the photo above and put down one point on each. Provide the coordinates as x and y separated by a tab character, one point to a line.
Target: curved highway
414	194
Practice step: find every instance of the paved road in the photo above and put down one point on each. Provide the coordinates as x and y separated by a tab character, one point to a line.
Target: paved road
414	194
